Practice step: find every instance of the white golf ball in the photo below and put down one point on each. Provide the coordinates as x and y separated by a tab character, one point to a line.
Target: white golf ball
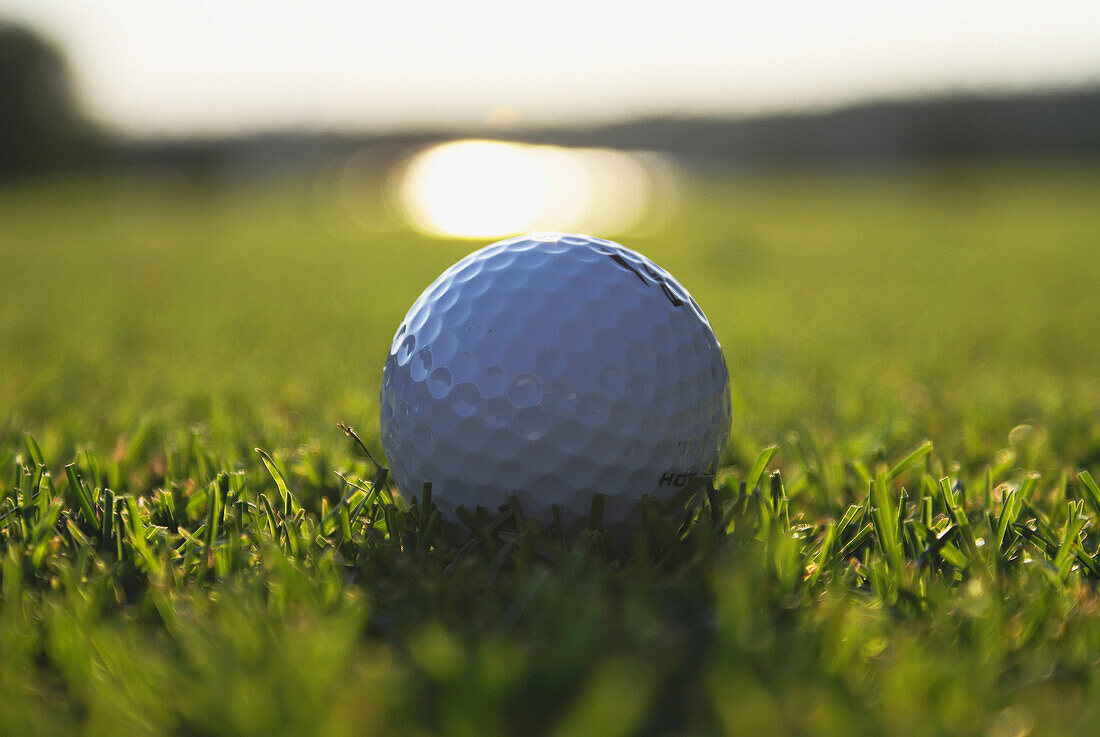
554	367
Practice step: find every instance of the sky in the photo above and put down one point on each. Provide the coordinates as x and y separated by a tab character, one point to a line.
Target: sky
167	67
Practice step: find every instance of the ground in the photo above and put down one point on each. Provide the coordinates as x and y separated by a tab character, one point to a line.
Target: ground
916	555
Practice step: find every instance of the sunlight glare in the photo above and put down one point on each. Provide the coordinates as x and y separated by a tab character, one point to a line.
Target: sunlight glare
486	189
476	189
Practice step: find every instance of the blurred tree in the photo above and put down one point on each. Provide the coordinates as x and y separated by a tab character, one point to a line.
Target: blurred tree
41	126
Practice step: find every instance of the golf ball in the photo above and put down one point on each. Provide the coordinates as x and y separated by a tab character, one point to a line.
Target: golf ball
555	367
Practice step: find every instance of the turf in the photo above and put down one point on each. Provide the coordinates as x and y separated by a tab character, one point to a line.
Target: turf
902	540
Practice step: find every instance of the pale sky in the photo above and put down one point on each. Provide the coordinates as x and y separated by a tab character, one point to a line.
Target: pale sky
155	67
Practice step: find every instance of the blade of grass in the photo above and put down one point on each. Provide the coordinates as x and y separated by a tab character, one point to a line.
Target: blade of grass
915	455
758	467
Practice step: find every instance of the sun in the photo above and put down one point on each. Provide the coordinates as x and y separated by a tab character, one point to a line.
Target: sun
490	189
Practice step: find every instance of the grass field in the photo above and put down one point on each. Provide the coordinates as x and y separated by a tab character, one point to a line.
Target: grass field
173	580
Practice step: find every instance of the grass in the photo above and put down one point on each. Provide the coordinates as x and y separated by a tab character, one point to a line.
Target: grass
904	539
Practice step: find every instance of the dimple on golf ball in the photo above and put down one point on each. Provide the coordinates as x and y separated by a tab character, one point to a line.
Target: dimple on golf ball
554	367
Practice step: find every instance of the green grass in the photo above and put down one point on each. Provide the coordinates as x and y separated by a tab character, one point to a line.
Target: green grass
161	576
